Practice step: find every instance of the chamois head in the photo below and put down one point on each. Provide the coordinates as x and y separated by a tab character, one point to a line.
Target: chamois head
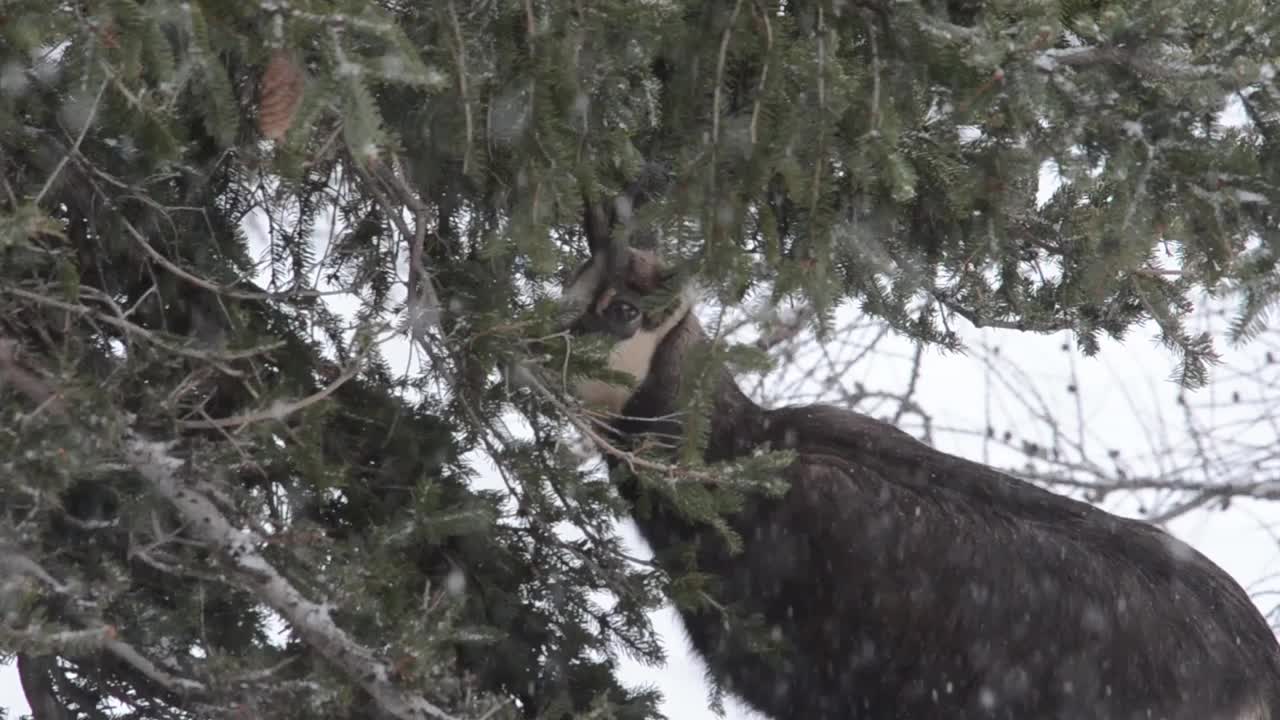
626	294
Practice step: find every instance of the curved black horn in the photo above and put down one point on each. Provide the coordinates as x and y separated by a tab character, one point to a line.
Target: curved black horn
596	223
603	238
609	225
649	185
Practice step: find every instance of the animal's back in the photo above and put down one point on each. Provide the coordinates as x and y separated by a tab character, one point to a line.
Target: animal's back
922	585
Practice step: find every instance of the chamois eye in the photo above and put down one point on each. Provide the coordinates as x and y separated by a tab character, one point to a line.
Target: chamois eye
622	311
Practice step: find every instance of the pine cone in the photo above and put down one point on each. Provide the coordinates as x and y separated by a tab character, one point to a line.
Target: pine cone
279	95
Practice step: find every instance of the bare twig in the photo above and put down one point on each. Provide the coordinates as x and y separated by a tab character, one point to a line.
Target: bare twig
277	410
84	130
906	400
461	58
423	308
786	329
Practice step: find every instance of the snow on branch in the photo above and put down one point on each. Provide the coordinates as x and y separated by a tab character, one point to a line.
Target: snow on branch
253	573
97	635
1162	62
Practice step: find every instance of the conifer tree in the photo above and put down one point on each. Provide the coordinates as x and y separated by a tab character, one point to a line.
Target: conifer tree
220	499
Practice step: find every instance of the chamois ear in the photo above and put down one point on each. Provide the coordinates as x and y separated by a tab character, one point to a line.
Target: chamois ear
596	224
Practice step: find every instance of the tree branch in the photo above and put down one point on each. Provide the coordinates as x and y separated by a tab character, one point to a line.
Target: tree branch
96	634
251	572
249	569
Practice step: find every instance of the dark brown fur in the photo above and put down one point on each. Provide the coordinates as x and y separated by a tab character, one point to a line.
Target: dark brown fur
911	584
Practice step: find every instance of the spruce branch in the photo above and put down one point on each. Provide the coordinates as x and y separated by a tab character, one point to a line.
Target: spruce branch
222	290
1138	59
980	321
156	204
93	635
218	359
249	569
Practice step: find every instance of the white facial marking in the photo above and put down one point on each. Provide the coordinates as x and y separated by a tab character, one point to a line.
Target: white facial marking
633	356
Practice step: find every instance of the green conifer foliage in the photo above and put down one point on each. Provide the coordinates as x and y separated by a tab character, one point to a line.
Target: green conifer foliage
219	497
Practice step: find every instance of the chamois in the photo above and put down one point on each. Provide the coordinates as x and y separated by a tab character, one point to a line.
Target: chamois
903	582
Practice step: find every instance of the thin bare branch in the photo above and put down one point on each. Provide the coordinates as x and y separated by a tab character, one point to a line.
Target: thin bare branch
84	130
277	410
